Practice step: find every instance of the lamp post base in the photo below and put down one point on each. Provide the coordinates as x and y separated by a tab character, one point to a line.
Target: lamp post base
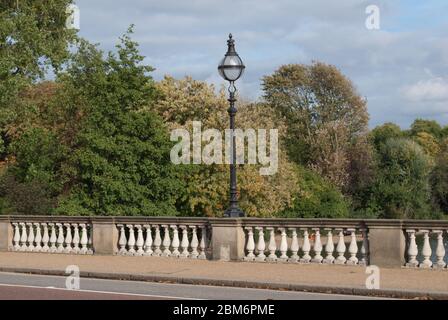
234	212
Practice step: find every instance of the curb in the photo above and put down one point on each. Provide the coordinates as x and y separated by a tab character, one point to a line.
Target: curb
382	293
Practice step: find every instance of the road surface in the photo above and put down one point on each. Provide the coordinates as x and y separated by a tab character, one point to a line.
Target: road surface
38	287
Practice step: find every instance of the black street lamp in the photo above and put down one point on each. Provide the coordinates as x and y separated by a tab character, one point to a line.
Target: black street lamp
231	68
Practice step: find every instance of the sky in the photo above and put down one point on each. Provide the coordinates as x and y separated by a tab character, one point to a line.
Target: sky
400	68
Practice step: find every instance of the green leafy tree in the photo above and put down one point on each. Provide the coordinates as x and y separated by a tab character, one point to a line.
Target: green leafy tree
439	179
31	183
317	198
445	132
401	188
33	37
121	162
380	134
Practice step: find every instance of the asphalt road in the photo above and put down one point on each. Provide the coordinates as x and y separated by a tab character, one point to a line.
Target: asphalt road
37	287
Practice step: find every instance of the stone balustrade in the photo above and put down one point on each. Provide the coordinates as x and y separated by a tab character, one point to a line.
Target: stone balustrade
430	251
182	239
306	241
385	243
51	235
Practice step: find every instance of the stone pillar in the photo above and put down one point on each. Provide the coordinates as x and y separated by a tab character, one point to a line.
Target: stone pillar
6	233
104	236
387	243
228	239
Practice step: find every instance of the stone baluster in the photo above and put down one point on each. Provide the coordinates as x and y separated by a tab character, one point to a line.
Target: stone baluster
157	241
53	238
440	250
140	242
317	248
16	238
340	248
68	238
184	243
194	243
426	251
272	247
76	238
60	239
176	242
166	241
131	240
148	240
364	248
250	245
122	241
294	246
89	240
30	237
45	238
23	237
352	248
38	238
329	247
203	243
261	245
412	250
85	241
283	245
306	247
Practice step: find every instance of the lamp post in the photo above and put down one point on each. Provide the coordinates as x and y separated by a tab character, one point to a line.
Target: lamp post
231	68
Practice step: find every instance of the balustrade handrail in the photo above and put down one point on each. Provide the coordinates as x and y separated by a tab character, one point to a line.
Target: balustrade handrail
303	222
430	224
161	220
249	221
38	218
108	219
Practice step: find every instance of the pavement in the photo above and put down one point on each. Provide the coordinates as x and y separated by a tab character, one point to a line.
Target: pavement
334	279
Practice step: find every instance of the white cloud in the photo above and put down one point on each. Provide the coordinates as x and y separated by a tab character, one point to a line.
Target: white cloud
435	89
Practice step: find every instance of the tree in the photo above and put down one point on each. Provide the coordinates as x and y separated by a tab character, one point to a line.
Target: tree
380	134
427	126
401	189
36	152
183	100
120	164
31	183
317	198
439	179
33	37
324	113
445	132
362	177
428	142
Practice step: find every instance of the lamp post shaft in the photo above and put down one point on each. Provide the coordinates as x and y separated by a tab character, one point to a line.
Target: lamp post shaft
233	210
231	68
